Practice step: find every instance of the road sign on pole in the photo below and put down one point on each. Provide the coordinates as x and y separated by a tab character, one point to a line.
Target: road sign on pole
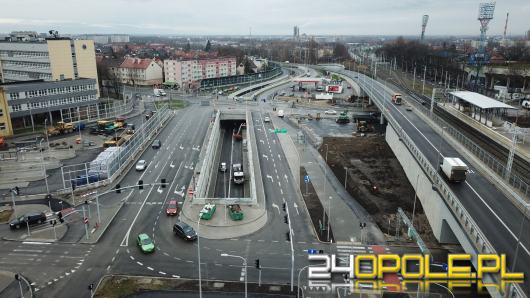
307	179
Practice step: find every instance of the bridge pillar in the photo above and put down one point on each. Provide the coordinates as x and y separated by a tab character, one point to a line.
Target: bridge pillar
446	233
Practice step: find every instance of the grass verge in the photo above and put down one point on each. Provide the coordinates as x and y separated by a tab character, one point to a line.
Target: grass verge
174	104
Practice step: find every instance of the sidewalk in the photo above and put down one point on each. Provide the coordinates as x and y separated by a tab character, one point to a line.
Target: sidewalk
346	213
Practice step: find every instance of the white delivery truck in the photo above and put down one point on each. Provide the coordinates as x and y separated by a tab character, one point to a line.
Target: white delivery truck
454	169
280	113
239	176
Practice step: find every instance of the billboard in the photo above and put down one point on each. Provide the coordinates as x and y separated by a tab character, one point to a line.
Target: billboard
334	88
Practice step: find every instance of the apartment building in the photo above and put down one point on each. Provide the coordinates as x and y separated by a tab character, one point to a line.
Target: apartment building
189	72
139	72
49	60
27	104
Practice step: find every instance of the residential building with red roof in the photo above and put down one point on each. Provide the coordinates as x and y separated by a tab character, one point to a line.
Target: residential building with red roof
139	72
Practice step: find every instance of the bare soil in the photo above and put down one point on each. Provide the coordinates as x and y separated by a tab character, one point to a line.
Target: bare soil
315	208
5	215
377	181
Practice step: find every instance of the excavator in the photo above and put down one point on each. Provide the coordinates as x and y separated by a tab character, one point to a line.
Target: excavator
237	135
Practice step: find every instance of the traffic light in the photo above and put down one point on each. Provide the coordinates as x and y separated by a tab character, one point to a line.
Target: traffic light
288	236
163	181
53	222
284	207
257	264
17	277
118	190
60	216
17	190
285	219
86	202
141	184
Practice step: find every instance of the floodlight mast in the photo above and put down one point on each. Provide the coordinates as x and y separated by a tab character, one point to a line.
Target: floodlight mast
485	15
424	21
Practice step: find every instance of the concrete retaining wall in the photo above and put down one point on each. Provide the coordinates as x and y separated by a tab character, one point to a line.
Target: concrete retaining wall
208	158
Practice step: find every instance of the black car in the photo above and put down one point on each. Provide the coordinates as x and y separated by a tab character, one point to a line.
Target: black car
31	218
184	231
156	144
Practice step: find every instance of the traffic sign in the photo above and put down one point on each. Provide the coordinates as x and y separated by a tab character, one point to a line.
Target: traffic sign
312	251
307	179
444	267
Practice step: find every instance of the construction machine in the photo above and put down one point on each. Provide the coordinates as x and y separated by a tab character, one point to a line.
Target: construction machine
60	128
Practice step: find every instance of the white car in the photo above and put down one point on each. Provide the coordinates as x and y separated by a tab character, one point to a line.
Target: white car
266	119
330	112
141	165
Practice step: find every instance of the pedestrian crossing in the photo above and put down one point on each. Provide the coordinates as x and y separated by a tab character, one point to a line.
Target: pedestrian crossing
147	203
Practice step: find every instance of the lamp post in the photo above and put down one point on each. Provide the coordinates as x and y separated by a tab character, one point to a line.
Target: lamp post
46	132
43	167
199	253
329	215
298	284
440	148
346	176
325	183
244	265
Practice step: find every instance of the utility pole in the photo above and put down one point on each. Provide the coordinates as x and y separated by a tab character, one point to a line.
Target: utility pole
423	87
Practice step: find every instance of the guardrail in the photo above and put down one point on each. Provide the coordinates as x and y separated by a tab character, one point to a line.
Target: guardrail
486	157
474	234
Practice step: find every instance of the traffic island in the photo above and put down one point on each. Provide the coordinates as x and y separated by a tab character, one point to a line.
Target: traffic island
319	218
125	286
229	215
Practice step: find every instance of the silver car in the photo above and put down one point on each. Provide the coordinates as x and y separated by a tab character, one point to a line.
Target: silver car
141	165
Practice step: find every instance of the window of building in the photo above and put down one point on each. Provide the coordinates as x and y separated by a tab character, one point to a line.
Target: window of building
16	108
2	126
13	95
1	113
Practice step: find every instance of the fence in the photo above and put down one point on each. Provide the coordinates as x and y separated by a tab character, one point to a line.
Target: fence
241	79
466	222
89	174
97	111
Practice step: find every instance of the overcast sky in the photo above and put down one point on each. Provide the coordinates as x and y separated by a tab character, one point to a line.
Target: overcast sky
210	17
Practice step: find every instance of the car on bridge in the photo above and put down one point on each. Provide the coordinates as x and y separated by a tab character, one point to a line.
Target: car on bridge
184	231
172	208
145	243
156	144
330	112
222	167
267	119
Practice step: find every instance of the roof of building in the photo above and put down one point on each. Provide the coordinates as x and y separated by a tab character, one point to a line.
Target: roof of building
41	84
480	100
136	63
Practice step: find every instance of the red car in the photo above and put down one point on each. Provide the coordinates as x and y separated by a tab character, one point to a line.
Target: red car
172	208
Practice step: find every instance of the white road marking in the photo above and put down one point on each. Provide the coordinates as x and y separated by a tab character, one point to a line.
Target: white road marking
150	268
139	263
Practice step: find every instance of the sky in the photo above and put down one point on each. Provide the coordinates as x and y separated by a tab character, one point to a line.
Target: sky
265	17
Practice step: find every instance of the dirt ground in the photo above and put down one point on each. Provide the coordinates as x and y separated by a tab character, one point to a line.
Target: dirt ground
377	180
314	206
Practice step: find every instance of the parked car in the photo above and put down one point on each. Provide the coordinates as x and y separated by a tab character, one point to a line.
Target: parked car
156	144
184	231
31	218
330	112
145	243
141	165
172	208
222	167
266	119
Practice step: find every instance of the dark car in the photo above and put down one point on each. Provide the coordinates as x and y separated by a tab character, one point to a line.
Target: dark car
31	218
184	231
156	144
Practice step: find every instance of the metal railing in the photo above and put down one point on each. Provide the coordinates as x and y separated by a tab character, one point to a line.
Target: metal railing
474	234
124	155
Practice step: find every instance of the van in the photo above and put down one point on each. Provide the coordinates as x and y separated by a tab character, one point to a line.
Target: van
280	113
454	169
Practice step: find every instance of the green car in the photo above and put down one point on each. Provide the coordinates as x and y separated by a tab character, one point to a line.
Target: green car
145	243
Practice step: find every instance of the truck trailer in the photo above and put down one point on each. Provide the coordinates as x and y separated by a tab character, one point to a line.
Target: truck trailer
454	169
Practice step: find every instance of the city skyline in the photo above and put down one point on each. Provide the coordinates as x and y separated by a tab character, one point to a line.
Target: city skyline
382	17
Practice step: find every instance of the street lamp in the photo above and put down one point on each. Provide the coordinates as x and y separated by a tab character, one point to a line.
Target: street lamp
244	265
298	284
199	253
325	184
43	166
329	214
46	132
346	176
440	148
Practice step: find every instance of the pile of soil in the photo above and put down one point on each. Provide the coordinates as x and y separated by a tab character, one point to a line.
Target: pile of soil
377	181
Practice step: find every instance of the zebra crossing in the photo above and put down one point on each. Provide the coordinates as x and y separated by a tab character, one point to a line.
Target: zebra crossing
147	203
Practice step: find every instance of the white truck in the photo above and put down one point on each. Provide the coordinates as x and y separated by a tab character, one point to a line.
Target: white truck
239	176
280	113
159	92
454	169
